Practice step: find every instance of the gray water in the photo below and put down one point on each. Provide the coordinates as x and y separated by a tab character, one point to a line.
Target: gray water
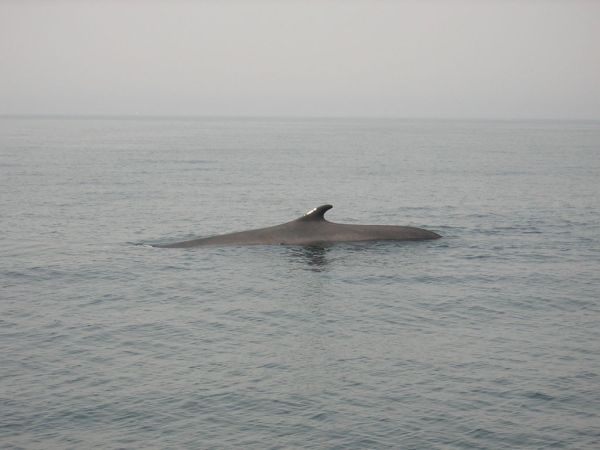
486	338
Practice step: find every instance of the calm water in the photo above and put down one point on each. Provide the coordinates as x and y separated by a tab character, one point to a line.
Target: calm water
487	338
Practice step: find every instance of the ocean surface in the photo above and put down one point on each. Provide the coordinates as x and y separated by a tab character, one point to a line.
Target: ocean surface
488	338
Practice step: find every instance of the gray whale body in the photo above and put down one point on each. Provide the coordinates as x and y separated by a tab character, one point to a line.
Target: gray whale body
311	229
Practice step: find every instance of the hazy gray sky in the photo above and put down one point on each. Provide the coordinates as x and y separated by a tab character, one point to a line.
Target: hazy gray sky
426	58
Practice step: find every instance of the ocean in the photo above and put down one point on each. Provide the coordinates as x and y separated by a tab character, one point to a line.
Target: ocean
486	338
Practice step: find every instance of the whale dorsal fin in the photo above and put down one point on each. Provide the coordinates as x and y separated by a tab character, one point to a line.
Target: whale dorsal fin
316	214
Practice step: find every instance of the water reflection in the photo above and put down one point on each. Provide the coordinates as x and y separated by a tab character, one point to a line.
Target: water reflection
315	256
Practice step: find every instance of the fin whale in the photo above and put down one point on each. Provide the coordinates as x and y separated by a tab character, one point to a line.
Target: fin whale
311	229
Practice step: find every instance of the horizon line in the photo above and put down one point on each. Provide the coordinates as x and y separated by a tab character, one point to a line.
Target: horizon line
285	117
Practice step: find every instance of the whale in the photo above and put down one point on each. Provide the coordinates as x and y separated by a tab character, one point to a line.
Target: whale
311	229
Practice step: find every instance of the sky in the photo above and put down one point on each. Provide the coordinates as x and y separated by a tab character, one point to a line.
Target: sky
313	58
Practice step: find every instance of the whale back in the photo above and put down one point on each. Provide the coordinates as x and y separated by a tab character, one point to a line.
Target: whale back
309	229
